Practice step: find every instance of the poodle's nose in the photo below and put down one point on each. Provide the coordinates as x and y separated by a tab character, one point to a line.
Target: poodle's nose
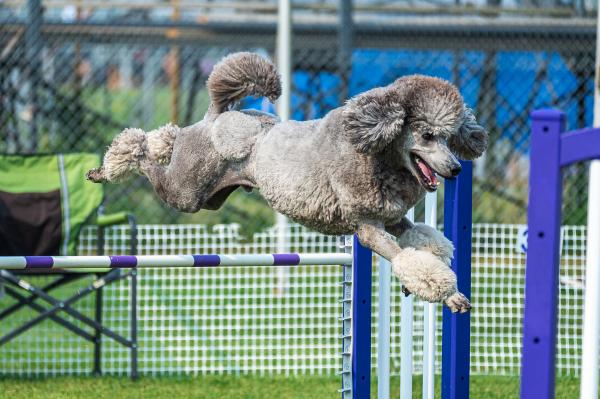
456	170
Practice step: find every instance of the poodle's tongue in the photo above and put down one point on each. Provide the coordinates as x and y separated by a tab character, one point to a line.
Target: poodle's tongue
427	172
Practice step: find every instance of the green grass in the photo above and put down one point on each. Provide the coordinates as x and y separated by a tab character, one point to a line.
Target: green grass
238	387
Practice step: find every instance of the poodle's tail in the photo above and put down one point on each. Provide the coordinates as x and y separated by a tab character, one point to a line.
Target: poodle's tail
233	78
130	148
239	75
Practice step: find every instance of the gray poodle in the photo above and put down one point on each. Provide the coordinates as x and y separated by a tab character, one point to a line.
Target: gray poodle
357	170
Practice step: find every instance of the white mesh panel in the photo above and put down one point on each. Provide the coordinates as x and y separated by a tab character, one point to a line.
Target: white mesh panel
231	320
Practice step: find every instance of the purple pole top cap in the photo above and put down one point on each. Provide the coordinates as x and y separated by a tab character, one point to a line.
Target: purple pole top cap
547	114
286	259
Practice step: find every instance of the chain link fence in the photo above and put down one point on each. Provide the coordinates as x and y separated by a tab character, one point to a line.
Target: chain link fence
73	74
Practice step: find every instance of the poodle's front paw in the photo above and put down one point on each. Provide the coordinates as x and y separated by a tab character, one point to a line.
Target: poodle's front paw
429	239
457	302
424	275
405	291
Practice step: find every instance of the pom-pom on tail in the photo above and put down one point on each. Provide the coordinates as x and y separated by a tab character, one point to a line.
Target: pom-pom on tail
239	75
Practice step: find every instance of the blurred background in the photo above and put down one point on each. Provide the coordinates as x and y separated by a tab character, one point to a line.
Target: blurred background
73	74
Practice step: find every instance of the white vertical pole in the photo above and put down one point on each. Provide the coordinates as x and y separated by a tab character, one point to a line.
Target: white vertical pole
284	64
383	330
406	338
429	313
591	319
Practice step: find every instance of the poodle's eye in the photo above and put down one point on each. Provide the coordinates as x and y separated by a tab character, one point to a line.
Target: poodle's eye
427	136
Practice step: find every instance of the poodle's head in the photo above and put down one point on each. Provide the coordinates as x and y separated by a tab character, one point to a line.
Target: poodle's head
419	123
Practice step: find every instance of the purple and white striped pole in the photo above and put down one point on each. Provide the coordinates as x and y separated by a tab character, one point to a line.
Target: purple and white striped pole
150	261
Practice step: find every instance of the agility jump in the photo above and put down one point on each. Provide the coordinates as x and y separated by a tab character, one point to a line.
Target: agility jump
356	171
356	292
551	150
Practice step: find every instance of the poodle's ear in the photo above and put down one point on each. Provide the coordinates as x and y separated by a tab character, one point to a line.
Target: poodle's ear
471	139
373	119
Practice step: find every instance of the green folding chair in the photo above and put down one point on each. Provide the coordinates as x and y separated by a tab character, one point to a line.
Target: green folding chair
44	202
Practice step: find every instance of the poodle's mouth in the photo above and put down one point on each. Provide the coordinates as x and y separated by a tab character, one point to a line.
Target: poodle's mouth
425	173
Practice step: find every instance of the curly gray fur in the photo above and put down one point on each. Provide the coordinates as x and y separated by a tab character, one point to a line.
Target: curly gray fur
373	119
122	158
239	75
160	143
471	140
357	170
130	148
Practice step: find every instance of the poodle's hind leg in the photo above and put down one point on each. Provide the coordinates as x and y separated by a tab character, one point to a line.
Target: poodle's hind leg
130	148
178	190
421	272
122	158
160	143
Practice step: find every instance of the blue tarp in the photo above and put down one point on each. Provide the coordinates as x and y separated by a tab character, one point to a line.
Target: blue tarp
315	94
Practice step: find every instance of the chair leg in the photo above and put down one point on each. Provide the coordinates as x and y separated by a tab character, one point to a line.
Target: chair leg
31	299
134	343
63	322
66	305
98	335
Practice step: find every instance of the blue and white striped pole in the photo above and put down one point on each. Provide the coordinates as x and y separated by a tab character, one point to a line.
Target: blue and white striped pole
150	261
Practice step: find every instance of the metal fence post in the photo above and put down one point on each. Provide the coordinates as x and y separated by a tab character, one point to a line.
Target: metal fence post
456	327
345	36
33	49
543	256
